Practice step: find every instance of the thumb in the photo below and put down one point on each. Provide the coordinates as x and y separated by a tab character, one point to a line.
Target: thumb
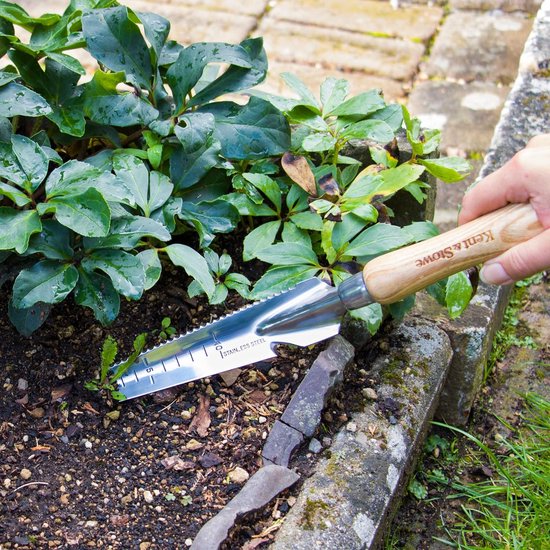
520	261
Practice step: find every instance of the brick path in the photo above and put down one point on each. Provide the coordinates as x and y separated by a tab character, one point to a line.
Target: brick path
452	61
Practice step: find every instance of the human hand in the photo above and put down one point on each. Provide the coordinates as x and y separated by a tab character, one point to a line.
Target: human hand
524	178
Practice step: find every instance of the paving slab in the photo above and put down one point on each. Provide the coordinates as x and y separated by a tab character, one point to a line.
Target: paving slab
190	25
363	16
250	7
466	113
346	503
477	46
336	49
530	6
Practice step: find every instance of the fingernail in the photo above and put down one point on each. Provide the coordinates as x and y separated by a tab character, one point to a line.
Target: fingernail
494	274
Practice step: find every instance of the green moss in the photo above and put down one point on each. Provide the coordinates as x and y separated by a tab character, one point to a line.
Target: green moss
315	511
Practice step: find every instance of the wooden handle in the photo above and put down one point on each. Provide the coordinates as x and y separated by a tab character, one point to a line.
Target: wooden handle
391	277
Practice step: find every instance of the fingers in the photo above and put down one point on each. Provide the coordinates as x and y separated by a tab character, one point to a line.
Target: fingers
520	261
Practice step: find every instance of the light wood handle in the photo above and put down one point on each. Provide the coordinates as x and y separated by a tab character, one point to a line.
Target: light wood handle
391	277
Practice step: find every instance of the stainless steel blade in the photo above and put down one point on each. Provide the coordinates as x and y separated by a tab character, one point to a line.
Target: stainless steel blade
307	314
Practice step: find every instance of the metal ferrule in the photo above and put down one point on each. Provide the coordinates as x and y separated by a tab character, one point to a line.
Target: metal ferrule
353	292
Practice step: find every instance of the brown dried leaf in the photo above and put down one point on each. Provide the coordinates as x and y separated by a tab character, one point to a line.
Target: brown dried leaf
59	393
201	421
175	462
298	170
87	407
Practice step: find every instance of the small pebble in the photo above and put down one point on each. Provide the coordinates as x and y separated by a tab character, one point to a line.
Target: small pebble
351	427
315	446
25	474
22	385
369	393
148	497
262	419
238	475
188	542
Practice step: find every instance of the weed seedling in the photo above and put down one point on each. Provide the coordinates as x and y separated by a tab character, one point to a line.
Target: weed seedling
107	375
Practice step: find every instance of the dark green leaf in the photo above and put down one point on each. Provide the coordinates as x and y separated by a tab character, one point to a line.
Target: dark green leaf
377	239
307	220
361	104
97	292
153	268
398	310
259	238
125	270
126	233
199	151
288	254
16	228
184	74
67	61
6	77
156	30
267	186
372	315
14	194
53	241
116	42
280	278
75	177
32	159
193	263
87	214
47	281
27	320
104	104
236	77
449	169
247	207
18	100
346	230
293	234
209	218
252	131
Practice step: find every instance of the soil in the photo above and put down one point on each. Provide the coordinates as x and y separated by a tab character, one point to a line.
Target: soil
79	471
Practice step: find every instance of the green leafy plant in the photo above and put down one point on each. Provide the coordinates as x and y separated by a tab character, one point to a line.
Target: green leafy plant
108	376
93	171
105	180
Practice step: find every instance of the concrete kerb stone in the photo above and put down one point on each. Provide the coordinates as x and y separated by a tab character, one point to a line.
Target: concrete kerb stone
347	502
303	413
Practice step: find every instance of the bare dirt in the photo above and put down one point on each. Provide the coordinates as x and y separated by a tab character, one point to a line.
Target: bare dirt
79	471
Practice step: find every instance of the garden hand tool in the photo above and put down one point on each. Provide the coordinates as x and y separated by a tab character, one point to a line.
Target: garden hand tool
312	310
